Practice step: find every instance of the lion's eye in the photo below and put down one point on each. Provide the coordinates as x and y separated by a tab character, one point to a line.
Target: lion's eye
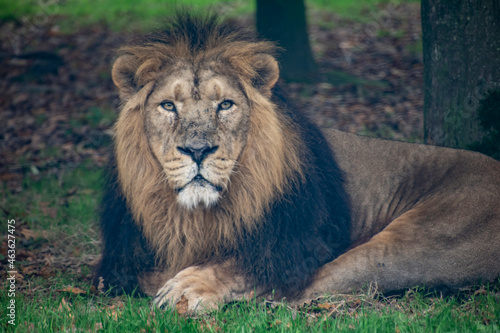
226	105
168	106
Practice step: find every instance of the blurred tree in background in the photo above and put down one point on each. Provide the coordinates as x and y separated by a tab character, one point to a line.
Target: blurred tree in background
284	21
461	45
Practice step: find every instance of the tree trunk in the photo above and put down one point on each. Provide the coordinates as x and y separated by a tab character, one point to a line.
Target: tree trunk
461	45
284	21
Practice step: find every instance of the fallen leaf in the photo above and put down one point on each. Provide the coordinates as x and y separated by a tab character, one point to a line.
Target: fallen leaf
27	233
100	285
28	270
151	318
480	291
111	310
47	272
22	254
114	315
48	211
64	306
97	327
71	191
95	261
73	290
117	303
30	327
19	276
356	304
182	306
10	176
325	306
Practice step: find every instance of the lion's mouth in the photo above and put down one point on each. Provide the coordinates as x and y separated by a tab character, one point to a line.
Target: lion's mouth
198	191
199	180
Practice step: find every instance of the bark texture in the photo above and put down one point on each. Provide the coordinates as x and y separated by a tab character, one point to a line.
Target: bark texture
284	21
461	45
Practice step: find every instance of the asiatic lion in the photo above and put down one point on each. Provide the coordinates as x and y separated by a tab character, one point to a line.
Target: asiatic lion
221	191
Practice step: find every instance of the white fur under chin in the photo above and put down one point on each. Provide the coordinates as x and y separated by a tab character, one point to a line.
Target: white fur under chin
195	193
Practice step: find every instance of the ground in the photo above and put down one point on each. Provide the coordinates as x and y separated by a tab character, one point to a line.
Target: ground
58	105
58	101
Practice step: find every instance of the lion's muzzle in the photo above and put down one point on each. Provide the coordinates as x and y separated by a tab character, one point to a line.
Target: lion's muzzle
198	150
198	190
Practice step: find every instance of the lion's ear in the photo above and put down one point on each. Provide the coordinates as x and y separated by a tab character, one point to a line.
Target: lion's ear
268	72
123	74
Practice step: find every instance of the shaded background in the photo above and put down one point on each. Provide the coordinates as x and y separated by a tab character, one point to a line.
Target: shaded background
58	102
58	105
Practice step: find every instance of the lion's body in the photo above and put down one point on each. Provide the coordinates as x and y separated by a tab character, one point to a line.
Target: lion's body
220	189
420	215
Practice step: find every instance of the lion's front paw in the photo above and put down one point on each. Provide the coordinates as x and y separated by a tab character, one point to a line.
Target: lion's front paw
192	290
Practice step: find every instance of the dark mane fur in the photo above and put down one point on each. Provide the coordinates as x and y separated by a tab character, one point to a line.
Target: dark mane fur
126	253
306	228
301	231
200	32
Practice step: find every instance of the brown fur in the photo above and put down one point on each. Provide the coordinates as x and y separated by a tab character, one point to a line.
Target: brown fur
417	214
267	164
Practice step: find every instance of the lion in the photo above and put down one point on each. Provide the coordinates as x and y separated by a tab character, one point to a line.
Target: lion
221	191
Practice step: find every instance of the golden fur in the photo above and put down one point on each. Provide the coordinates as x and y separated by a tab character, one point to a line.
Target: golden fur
269	161
289	207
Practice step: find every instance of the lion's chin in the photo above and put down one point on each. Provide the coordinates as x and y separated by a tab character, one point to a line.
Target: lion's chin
198	193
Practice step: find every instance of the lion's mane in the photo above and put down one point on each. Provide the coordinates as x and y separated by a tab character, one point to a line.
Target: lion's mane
283	197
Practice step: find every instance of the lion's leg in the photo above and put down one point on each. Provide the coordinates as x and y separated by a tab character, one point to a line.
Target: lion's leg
204	288
429	245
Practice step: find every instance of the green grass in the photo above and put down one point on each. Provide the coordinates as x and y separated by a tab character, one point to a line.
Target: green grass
13	10
144	15
61	211
141	15
52	310
123	15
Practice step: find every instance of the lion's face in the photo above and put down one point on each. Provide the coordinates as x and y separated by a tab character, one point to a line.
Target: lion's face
202	149
197	124
197	117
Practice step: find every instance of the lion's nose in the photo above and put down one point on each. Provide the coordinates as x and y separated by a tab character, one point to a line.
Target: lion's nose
198	151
